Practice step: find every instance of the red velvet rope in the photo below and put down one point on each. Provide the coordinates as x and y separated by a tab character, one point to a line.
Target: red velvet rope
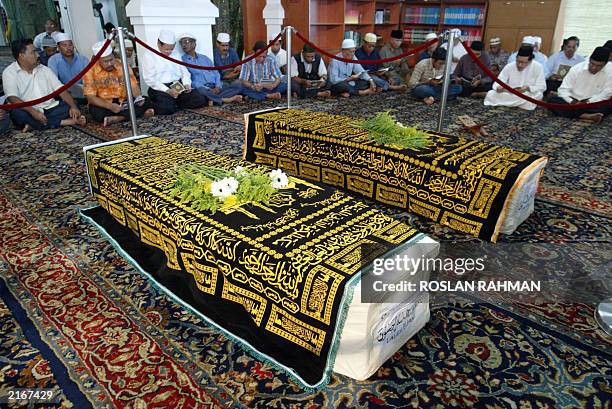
525	97
381	61
63	88
201	67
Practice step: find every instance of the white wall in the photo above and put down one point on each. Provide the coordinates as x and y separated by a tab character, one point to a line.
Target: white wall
78	21
589	20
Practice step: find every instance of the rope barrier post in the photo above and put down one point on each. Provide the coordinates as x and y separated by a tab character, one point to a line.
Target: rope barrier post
603	315
126	76
446	82
288	41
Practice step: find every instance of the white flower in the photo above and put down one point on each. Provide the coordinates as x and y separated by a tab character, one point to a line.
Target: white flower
279	179
239	170
224	187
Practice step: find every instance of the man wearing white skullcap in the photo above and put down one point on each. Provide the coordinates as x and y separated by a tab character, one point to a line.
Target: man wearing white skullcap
497	56
223	55
537	55
349	78
429	52
206	82
278	53
129	52
104	88
27	80
458	48
368	51
67	64
169	83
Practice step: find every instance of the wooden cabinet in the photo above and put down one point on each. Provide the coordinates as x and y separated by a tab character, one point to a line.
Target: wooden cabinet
511	20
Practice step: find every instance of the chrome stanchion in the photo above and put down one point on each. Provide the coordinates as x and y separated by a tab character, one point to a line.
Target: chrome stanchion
288	41
603	315
446	83
126	77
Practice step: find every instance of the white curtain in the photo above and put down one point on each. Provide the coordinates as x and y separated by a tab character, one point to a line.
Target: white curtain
589	20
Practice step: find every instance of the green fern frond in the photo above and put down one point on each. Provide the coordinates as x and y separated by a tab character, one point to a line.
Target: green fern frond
385	130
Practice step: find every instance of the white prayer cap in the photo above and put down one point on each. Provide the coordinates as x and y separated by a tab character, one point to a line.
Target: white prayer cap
528	40
223	38
128	43
186	35
495	41
370	38
430	36
457	32
98	46
348	43
538	40
59	37
166	37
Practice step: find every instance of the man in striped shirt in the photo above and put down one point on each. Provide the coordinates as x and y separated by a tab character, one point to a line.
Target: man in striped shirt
261	76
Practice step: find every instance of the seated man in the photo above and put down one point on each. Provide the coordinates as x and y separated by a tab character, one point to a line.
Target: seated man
428	76
524	75
349	78
50	31
531	41
169	83
261	77
49	49
67	64
368	51
588	81
458	48
27	80
5	120
279	54
558	65
207	82
223	55
468	74
309	75
104	88
429	51
129	52
498	57
399	70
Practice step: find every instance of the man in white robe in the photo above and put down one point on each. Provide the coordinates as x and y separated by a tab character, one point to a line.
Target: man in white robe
538	56
458	48
525	75
587	82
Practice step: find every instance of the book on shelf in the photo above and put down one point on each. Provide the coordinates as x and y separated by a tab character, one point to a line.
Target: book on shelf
379	16
421	15
354	35
352	17
464	16
416	35
387	16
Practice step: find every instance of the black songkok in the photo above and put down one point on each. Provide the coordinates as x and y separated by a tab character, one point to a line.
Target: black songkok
477	46
397	34
526	51
601	54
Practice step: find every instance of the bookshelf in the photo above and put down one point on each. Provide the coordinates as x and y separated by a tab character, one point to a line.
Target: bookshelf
328	22
422	17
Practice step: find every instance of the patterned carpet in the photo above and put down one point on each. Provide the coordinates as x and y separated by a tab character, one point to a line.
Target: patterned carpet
76	317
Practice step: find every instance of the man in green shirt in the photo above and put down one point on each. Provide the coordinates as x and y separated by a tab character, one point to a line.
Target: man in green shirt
399	73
